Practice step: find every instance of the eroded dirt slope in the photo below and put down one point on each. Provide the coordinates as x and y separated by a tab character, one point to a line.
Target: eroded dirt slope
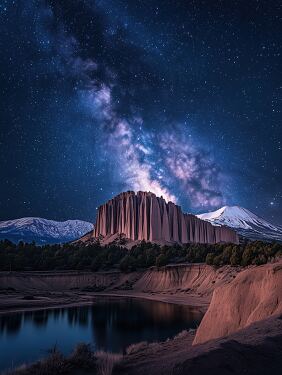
255	294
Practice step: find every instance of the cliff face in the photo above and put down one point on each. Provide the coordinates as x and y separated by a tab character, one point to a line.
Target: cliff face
143	216
255	294
195	279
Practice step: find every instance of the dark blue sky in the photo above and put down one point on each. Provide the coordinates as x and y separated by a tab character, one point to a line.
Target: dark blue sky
182	98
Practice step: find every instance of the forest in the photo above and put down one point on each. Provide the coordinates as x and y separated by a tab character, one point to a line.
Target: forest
94	257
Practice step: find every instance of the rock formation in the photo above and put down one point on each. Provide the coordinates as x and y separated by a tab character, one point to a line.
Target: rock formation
198	279
255	294
143	216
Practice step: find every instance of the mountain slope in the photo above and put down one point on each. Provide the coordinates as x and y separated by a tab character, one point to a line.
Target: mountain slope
43	231
245	222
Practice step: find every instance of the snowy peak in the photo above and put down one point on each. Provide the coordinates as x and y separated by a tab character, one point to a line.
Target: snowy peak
244	221
43	231
235	216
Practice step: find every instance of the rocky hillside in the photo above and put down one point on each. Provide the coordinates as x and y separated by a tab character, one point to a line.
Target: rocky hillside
255	294
193	278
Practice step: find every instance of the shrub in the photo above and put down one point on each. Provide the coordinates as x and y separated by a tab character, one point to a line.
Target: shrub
210	258
161	260
82	356
181	334
217	260
134	348
128	263
236	257
247	257
106	362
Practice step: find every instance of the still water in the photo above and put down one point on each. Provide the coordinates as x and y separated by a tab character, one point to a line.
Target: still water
110	324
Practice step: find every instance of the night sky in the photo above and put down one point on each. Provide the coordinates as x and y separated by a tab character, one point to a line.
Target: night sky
182	98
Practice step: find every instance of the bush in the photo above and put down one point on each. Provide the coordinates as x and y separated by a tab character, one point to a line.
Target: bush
134	348
128	263
247	257
217	260
106	362
161	260
82	356
236	257
210	258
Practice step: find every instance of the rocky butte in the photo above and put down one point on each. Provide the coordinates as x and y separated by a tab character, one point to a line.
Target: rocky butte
144	216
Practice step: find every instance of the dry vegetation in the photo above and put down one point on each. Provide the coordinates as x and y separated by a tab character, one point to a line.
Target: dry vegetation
82	358
106	362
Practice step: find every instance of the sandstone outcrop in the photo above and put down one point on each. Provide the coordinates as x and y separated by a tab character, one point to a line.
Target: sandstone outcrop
255	294
143	216
198	279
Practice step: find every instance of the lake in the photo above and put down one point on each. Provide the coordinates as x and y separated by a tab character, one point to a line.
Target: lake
111	324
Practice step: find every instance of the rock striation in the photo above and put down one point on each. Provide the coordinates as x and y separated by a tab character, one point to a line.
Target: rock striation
255	294
199	280
143	216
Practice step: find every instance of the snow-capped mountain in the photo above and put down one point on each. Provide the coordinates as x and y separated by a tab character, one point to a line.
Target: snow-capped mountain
244	222
43	231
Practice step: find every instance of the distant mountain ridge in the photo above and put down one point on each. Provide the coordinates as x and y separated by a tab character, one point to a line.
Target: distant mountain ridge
244	222
43	231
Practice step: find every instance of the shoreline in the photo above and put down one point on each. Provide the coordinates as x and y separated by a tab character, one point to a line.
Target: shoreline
15	303
184	284
191	300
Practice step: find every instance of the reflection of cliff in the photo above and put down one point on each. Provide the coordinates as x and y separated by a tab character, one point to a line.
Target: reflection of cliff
10	324
78	315
143	216
40	318
115	322
118	322
163	313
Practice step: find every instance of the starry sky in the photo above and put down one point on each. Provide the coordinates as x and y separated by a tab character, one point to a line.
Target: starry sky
182	98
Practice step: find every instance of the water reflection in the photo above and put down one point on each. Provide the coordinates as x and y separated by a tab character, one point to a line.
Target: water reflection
110	324
11	324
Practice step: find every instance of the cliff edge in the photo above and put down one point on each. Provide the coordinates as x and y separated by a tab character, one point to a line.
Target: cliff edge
255	294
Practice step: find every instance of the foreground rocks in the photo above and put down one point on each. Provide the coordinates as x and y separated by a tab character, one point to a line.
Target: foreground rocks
240	333
255	294
255	350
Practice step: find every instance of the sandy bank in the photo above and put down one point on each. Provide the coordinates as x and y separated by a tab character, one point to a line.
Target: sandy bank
255	294
195	278
17	301
188	284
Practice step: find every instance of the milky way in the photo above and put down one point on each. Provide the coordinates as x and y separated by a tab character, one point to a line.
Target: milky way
105	96
164	162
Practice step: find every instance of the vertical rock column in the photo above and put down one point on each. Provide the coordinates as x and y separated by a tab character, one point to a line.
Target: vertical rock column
143	216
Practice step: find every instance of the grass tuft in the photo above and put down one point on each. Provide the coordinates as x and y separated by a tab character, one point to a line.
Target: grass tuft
137	347
106	362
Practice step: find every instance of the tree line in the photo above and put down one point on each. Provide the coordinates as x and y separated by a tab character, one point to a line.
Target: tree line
94	257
